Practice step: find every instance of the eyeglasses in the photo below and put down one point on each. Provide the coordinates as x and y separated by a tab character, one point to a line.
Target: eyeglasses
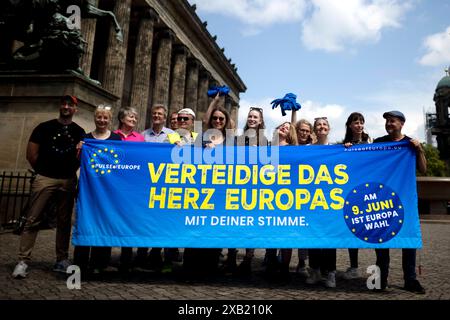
215	118
183	119
101	107
256	108
320	118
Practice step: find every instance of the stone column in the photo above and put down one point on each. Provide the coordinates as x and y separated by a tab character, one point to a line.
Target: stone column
177	87
88	27
235	114
142	66
116	54
191	95
163	64
203	86
228	104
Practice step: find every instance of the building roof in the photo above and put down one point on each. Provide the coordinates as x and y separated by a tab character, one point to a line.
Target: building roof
444	83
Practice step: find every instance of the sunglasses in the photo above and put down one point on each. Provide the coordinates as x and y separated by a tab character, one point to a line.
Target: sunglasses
320	118
183	119
256	108
215	118
104	108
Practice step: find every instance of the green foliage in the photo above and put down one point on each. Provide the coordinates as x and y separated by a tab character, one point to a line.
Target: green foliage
435	166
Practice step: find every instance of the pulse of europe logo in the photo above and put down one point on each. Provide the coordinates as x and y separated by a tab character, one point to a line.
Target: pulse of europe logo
104	161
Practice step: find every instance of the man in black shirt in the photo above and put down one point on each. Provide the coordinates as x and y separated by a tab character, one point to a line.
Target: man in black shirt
394	124
52	153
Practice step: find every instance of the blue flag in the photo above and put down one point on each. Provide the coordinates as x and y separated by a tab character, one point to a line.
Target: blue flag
158	195
288	102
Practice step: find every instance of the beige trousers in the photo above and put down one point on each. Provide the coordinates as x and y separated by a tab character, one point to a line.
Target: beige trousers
44	189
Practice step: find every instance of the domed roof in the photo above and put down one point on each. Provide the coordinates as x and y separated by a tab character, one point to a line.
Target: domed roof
444	83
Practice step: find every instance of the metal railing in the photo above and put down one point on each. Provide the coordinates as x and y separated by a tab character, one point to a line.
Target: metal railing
15	190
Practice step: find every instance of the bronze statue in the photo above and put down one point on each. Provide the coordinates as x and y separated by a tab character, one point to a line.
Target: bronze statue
50	42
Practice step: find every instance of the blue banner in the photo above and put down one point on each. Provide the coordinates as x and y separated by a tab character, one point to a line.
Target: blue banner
135	194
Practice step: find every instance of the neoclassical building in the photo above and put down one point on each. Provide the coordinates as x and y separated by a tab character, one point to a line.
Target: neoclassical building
167	56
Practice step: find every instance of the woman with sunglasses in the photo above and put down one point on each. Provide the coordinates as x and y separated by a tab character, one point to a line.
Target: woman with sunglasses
322	261
217	124
354	134
99	256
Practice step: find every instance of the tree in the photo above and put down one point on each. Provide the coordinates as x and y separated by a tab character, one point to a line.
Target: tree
435	166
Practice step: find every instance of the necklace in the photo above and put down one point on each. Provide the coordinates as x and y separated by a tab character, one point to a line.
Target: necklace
101	136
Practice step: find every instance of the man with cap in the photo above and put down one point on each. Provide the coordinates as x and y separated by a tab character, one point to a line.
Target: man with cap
52	153
184	134
394	124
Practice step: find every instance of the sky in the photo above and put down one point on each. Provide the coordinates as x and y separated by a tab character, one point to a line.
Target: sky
337	56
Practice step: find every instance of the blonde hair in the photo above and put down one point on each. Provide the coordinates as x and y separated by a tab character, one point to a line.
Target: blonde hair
291	138
103	108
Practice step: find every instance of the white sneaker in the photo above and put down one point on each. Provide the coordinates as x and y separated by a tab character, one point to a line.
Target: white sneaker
314	277
351	273
20	271
331	280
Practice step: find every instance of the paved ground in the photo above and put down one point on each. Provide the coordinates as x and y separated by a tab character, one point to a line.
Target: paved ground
43	284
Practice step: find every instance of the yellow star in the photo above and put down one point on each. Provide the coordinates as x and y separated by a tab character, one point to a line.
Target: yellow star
366	238
381	186
401	221
353	230
354	191
393	193
346	217
393	233
106	149
367	185
400	207
380	240
347	202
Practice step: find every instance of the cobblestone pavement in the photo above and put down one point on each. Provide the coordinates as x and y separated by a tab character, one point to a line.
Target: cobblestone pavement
43	284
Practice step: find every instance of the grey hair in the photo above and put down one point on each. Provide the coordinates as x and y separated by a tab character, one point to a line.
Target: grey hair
160	106
123	112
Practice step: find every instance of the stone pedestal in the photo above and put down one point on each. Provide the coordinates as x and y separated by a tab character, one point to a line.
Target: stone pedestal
27	99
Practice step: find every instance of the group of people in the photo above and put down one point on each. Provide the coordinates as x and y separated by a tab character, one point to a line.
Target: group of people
53	152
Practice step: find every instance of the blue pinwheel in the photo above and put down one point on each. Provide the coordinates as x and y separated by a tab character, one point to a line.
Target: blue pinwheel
223	91
287	103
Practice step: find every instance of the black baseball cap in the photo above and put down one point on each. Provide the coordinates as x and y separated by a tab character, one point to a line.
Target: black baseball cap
396	114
